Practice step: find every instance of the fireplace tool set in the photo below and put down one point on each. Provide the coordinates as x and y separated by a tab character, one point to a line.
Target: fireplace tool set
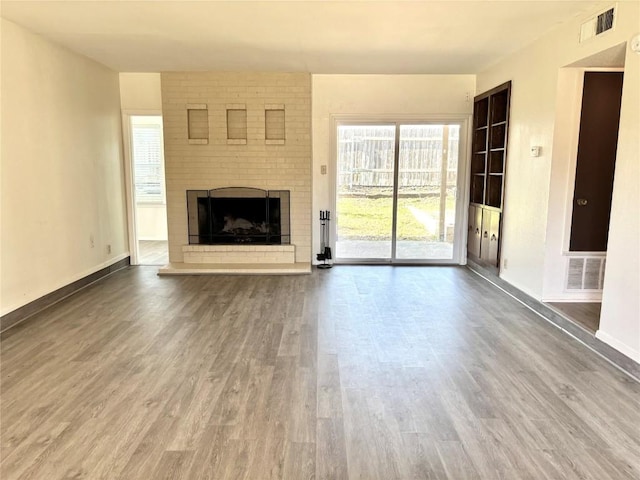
325	251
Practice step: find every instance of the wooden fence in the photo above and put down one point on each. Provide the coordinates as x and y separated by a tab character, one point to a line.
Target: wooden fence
366	157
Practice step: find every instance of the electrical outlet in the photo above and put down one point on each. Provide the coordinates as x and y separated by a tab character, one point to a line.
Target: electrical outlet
109	249
504	264
323	169
92	243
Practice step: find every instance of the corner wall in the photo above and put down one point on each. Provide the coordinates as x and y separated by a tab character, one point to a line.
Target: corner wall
224	164
530	193
140	91
62	196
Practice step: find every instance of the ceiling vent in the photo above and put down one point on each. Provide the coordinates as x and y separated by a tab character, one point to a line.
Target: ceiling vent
597	25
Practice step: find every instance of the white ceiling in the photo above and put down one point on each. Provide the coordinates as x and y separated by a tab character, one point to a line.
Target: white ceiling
316	36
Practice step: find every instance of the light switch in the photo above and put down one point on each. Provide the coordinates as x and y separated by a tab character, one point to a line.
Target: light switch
323	169
535	151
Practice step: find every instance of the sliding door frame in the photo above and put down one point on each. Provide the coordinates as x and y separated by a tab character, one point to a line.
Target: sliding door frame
462	187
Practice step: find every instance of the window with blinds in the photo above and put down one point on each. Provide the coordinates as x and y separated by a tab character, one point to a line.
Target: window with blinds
147	162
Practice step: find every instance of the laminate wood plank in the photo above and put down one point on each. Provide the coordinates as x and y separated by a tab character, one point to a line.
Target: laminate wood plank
362	455
31	449
145	457
387	438
513	454
308	357
153	252
268	461
279	397
586	314
429	414
300	461
62	456
172	464
422	459
303	415
255	412
492	460
230	402
290	340
267	350
331	455
456	461
208	457
329	394
357	372
236	459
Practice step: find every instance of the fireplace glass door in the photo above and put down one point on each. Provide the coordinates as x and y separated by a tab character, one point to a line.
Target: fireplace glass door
397	187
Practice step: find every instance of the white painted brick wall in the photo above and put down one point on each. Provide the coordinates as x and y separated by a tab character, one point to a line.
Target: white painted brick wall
220	164
282	254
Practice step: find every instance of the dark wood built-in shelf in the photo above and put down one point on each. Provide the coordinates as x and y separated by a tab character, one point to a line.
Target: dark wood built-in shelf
486	196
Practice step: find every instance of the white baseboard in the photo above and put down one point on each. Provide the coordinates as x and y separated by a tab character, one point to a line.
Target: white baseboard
587	297
574	299
618	345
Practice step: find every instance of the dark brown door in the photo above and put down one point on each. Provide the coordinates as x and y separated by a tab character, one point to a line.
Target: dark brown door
597	143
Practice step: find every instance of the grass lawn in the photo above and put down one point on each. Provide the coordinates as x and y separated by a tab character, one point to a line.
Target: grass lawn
362	218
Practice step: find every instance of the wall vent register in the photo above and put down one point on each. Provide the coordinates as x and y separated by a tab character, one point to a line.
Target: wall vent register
585	273
598	24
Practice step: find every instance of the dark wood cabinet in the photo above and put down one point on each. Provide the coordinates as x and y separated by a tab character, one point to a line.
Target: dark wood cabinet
475	230
488	168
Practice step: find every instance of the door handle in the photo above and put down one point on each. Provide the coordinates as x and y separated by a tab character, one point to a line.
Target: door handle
493	237
486	234
582	202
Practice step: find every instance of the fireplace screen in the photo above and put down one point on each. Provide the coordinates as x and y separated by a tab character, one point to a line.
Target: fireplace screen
238	215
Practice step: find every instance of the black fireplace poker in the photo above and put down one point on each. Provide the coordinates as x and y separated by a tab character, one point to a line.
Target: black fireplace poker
325	250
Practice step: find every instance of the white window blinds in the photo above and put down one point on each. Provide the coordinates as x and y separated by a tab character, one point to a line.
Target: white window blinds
147	161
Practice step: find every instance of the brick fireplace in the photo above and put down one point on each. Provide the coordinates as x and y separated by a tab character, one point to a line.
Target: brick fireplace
250	130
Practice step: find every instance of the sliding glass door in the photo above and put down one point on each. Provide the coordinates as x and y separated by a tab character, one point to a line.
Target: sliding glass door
396	192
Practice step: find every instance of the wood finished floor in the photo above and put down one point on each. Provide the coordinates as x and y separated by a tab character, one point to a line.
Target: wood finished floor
353	373
585	314
153	252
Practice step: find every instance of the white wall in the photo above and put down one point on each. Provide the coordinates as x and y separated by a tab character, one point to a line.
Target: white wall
140	92
152	221
620	318
562	176
531	196
224	163
376	95
62	169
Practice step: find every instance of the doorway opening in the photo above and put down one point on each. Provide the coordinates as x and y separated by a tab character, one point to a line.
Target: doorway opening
590	105
149	237
397	192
